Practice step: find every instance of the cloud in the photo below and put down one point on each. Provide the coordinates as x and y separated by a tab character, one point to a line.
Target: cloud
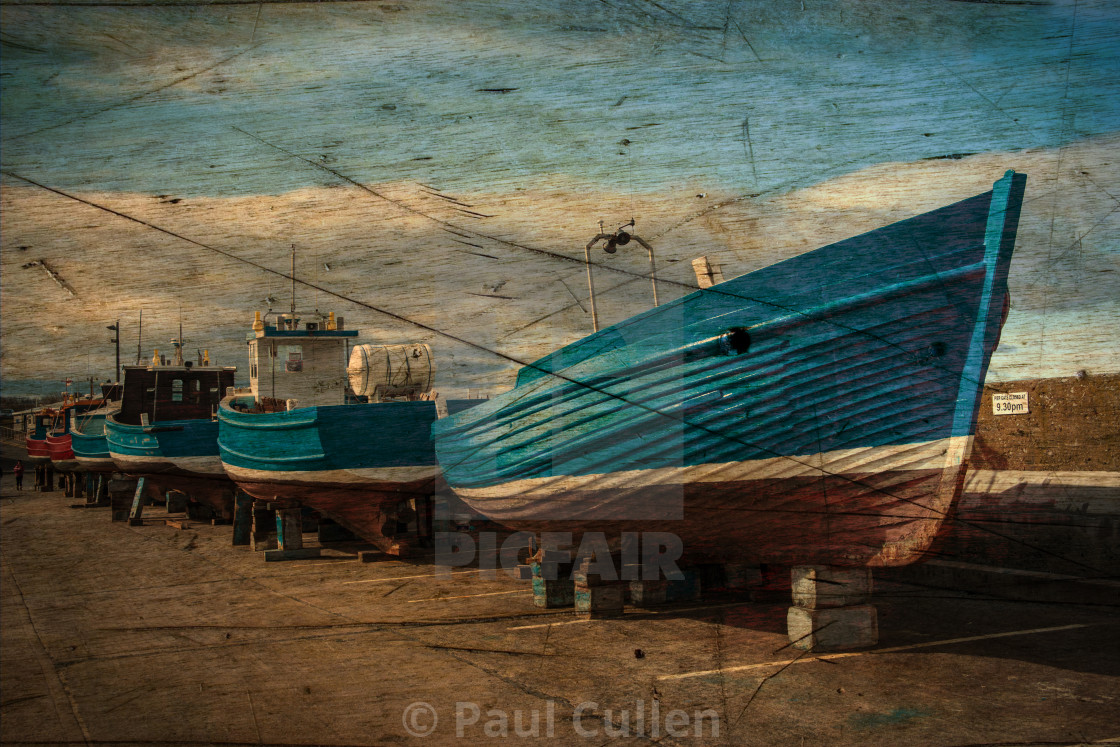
425	255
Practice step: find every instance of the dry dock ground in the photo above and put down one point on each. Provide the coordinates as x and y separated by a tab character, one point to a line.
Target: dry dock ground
155	635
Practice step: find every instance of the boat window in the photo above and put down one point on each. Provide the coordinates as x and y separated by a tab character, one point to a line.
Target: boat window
176	390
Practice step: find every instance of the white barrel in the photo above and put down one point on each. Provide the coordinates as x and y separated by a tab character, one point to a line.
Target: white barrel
386	371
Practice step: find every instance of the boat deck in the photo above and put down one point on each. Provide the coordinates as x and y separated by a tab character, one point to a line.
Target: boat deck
150	634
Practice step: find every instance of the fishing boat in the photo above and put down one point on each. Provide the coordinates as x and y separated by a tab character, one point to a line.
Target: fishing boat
48	437
361	454
89	442
40	424
167	430
816	411
81	416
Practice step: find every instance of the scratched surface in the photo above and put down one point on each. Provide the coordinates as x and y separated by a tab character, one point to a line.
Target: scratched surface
446	163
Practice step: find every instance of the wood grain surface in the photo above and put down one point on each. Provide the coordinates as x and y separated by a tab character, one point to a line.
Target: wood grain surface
439	166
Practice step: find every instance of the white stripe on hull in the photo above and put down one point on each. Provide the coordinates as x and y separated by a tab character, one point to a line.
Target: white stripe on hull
352	478
210	466
945	453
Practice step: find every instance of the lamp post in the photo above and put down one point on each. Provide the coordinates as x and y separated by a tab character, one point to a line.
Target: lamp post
615	240
116	329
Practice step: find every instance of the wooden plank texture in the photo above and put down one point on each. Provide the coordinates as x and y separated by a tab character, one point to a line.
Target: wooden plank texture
447	162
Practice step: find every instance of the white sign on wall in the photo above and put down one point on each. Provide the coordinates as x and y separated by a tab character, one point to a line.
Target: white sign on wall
1014	403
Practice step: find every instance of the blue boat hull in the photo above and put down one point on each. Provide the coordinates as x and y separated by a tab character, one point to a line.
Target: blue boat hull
170	447
90	445
370	467
819	410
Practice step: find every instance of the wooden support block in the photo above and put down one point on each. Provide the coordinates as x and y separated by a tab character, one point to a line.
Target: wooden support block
120	490
177	523
263	534
822	586
289	529
176	501
242	518
552	593
600	601
833	629
373	556
137	511
298	554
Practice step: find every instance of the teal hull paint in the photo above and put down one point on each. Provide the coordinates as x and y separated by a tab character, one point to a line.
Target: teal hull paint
878	340
328	438
819	410
88	437
184	447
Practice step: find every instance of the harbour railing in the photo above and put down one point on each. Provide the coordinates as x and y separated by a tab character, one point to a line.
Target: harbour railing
13	436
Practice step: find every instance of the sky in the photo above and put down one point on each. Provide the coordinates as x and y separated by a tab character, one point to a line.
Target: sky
446	162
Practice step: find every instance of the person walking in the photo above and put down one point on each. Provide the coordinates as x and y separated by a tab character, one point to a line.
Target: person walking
18	472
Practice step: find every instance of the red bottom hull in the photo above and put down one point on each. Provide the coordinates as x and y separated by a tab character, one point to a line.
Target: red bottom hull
869	519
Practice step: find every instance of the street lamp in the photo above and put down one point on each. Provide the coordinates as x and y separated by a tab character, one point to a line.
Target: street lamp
615	240
116	329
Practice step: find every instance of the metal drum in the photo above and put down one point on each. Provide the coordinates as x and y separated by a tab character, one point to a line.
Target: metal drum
391	371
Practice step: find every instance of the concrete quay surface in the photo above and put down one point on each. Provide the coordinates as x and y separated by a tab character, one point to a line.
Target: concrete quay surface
141	635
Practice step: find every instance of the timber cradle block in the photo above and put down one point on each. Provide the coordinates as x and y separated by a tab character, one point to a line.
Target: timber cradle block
263	534
176	501
289	529
834	628
177	523
553	589
600	601
242	519
302	553
819	586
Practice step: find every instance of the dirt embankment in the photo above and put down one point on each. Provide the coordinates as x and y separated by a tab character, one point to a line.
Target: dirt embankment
1073	424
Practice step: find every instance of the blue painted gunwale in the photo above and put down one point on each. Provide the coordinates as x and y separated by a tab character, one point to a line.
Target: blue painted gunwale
882	339
163	440
326	438
88	436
